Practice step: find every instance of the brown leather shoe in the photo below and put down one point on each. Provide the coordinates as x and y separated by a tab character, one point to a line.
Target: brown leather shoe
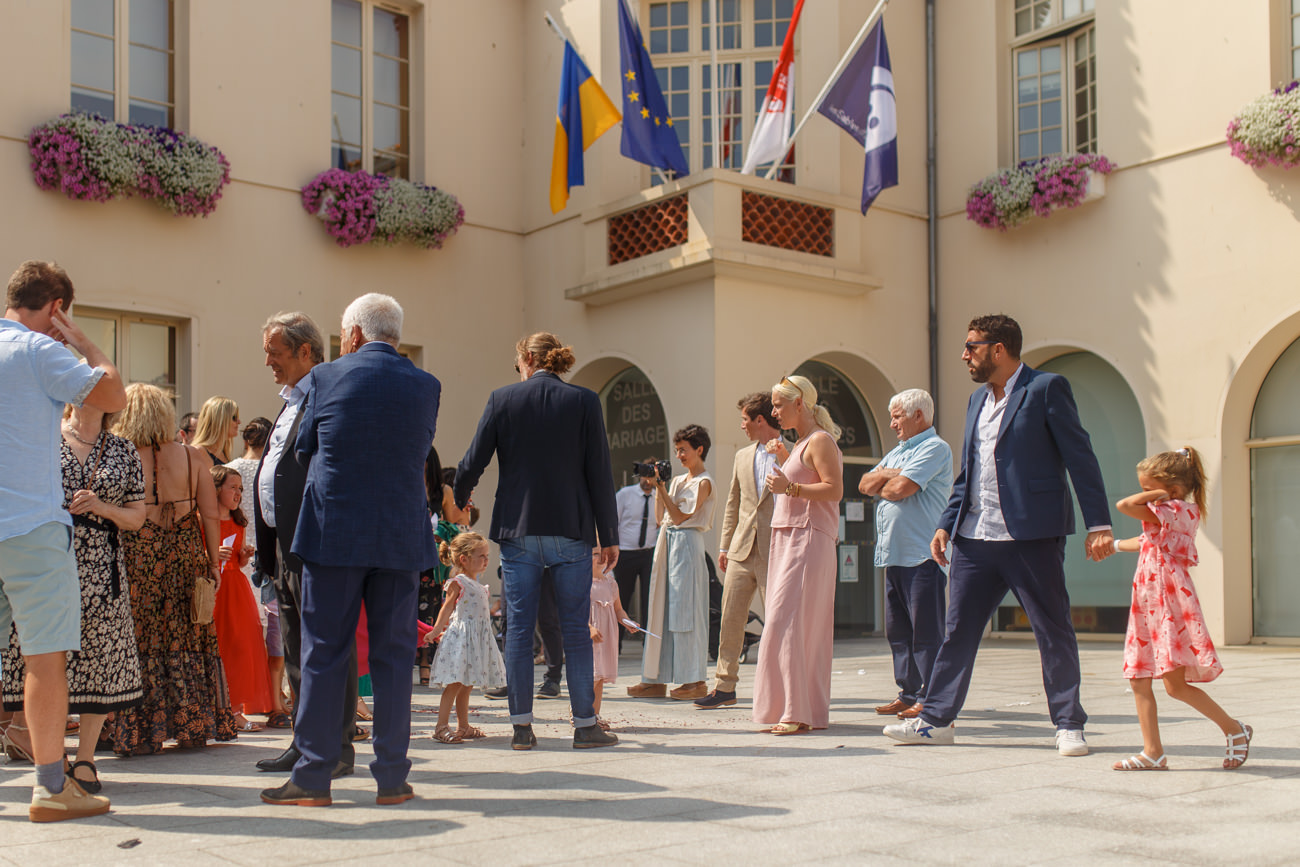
895	706
648	690
912	712
689	691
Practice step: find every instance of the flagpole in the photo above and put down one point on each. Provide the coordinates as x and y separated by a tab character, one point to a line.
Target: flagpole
713	45
844	61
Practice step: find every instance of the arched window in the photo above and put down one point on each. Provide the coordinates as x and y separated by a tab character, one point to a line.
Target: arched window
635	422
1275	497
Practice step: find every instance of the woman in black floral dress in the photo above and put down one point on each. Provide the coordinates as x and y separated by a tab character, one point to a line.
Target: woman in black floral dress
103	488
184	687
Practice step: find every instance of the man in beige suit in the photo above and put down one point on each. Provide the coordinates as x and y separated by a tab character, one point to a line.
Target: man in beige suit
746	532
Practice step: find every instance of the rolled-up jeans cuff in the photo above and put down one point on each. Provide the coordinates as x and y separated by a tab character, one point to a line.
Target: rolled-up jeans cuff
583	723
521	719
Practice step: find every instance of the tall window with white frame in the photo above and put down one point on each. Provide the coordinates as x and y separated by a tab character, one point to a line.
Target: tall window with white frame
680	36
370	86
1054	64
124	60
1294	21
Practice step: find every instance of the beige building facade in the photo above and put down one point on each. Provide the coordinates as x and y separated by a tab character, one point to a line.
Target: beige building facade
1167	300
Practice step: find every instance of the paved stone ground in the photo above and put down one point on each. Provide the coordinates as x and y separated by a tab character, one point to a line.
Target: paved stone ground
688	786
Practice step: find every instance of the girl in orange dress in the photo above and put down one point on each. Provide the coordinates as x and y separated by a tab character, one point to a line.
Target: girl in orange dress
1167	637
239	628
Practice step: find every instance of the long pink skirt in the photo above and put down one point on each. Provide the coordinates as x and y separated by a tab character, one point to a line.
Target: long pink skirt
793	681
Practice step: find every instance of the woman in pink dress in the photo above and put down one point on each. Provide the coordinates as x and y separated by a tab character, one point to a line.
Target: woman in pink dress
792	688
1166	636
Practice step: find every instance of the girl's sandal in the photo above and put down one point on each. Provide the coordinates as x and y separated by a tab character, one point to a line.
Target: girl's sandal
92	786
1141	762
790	728
446	736
469	733
1238	747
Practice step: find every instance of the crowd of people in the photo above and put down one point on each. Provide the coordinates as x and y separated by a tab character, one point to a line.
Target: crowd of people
163	588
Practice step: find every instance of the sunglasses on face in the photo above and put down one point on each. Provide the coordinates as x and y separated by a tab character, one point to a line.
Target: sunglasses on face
971	344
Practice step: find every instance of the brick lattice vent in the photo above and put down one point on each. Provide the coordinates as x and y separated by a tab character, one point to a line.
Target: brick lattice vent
787	224
648	229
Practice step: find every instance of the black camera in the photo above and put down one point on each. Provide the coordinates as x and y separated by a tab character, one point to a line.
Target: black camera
662	469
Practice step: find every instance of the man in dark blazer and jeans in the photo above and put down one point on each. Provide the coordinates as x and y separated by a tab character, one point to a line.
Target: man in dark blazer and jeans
1007	519
555	498
363	535
293	346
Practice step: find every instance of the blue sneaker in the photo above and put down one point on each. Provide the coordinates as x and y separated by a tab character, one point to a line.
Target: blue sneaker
918	731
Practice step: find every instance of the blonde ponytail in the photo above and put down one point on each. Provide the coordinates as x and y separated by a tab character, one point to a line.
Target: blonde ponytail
801	388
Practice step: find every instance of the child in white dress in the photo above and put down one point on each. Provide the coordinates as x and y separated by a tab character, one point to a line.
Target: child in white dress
467	651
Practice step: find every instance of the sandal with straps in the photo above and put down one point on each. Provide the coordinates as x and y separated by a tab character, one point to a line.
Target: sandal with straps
14	750
469	733
1237	753
446	736
790	728
92	786
1142	762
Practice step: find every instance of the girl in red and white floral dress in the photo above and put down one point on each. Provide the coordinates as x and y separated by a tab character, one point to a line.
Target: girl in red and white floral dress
1167	637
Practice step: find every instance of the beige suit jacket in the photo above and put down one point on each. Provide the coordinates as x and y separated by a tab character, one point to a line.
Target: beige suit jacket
747	519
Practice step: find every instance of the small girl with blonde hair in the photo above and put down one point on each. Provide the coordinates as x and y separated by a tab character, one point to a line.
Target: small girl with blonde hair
467	651
1167	637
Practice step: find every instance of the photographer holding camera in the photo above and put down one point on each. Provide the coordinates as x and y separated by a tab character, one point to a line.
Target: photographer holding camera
638	527
679	581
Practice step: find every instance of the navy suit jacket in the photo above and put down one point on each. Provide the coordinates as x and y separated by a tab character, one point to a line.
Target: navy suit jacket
1040	439
364	436
553	462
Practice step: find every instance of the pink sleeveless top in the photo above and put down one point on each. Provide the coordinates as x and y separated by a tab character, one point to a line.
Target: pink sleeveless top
820	515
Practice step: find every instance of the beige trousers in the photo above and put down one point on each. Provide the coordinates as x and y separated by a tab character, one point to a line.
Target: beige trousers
742	579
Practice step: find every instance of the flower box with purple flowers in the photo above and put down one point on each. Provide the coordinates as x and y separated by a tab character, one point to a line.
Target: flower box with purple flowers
1264	134
361	208
92	159
1009	197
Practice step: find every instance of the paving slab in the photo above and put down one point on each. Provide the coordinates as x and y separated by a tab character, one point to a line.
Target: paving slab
690	786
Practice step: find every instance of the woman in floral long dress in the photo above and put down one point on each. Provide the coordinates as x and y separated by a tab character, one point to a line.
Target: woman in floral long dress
103	488
184	689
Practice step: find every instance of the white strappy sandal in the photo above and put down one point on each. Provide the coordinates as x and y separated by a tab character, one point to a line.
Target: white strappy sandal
1142	762
1238	747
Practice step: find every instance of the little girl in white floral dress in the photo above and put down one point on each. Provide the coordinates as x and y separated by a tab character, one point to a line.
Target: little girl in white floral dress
467	650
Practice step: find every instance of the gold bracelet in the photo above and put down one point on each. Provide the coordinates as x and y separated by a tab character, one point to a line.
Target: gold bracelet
797	488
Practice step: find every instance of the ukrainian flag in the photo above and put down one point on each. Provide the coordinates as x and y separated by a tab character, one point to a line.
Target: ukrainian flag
583	105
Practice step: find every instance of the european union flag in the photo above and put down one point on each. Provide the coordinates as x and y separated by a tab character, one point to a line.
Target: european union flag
648	134
862	103
583	115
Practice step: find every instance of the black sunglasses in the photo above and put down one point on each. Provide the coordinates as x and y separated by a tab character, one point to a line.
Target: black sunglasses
971	344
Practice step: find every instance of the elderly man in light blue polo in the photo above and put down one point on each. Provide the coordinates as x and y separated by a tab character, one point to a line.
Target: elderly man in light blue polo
912	485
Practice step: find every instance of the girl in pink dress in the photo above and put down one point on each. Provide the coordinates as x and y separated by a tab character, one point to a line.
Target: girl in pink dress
792	687
606	615
1166	636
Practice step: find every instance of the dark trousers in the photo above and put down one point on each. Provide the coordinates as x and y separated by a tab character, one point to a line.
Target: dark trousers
634	565
548	625
288	592
914	610
331	604
982	572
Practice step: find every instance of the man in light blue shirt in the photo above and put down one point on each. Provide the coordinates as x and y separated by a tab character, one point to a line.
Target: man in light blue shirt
912	484
40	591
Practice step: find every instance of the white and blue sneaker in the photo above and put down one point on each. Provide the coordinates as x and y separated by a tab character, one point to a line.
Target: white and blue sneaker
918	731
1070	742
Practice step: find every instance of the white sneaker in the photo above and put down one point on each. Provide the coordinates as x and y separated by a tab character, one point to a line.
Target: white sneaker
918	731
1070	742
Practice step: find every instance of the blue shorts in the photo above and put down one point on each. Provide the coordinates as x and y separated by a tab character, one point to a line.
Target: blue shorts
40	591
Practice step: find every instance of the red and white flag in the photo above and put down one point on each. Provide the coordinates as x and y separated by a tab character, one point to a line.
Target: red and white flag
771	139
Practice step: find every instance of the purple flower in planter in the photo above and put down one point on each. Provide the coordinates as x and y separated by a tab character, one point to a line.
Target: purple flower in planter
361	208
